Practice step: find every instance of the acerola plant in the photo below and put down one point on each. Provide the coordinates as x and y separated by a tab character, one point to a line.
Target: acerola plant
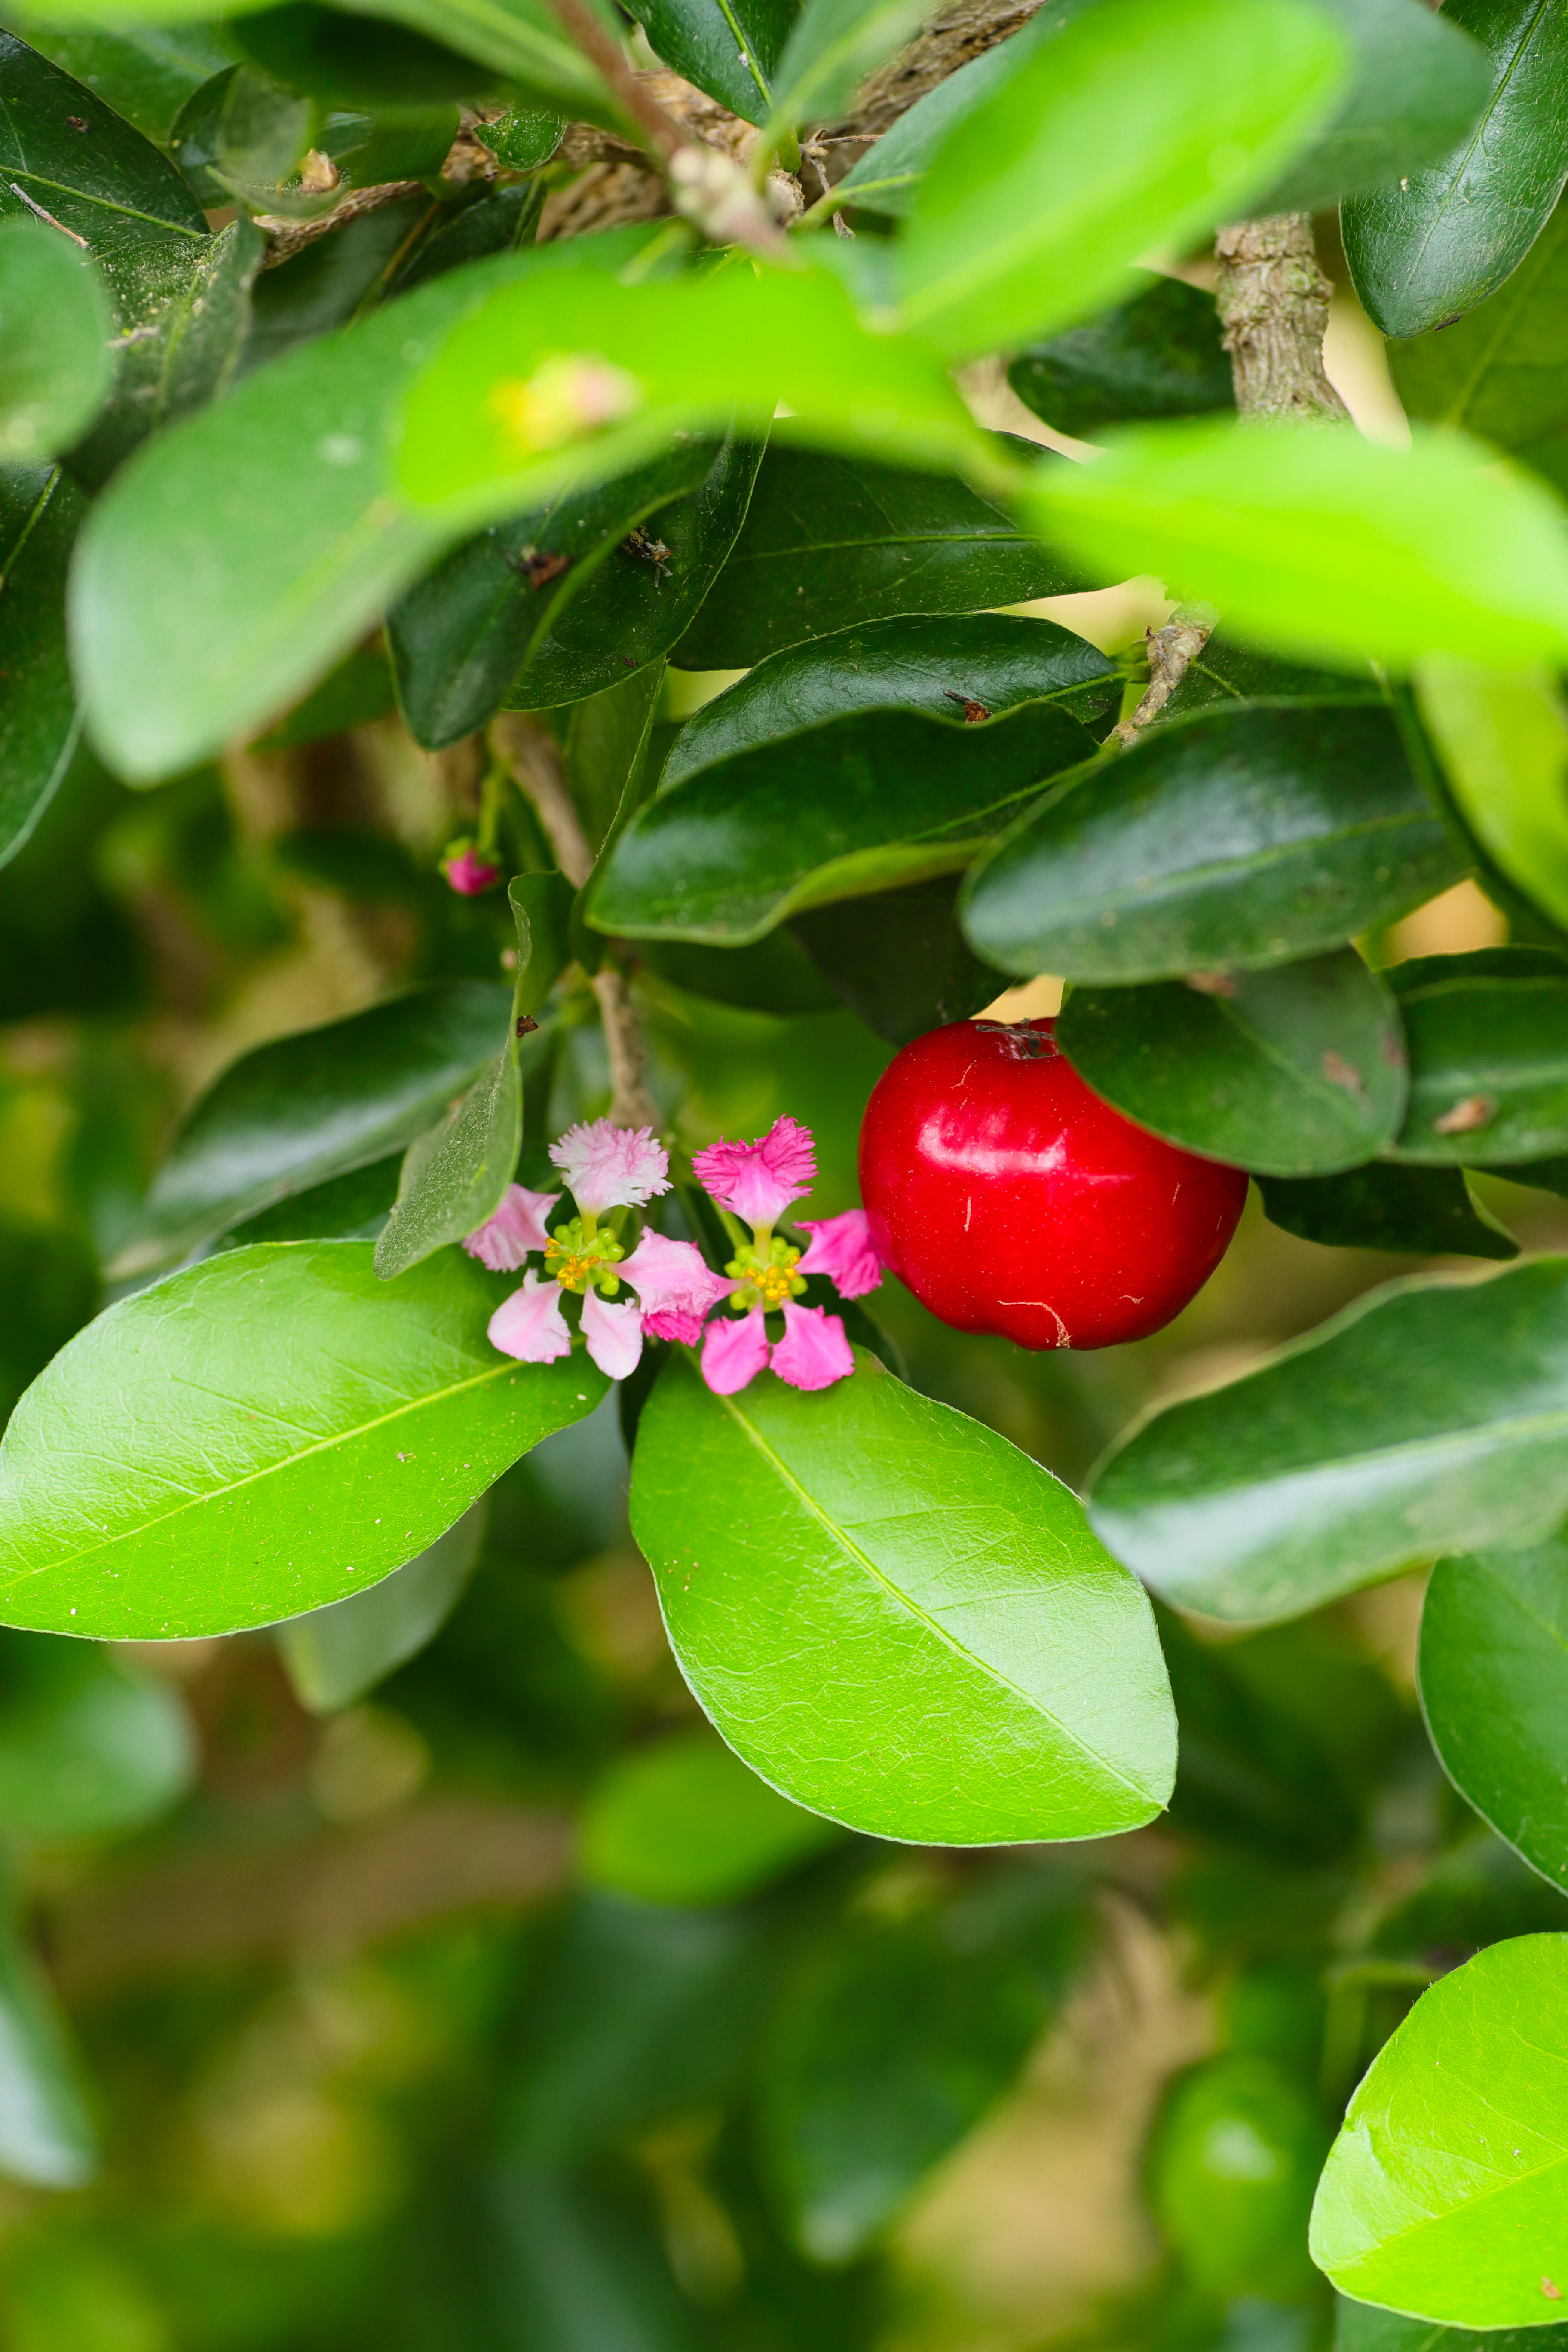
784	993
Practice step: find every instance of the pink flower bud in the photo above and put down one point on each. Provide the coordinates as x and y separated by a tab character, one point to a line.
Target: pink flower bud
470	874
734	1352
529	1323
815	1350
505	1239
759	1180
842	1249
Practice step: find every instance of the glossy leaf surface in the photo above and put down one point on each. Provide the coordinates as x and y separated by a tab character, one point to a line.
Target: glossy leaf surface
899	960
333	1656
1443	2196
940	666
1427	1211
730	50
856	803
273	1429
41	511
145	73
1240	837
1297	1071
1157	354
871	1525
1418	84
305	1107
1427	1417
684	1821
1489	1057
1322	543
54	333
1494	1687
828	543
1427	250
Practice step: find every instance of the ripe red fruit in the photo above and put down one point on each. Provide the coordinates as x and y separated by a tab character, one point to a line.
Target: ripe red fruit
1011	1199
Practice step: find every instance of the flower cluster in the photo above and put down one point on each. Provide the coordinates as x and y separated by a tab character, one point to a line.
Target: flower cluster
608	1168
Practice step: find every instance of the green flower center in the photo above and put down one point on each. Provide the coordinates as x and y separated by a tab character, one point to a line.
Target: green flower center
765	1276
584	1261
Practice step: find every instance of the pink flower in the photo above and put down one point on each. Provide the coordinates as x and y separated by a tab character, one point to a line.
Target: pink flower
734	1352
675	1286
815	1350
611	1167
504	1240
529	1323
759	1180
468	872
614	1334
842	1249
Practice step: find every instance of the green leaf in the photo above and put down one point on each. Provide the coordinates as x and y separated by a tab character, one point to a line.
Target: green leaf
994	1676
899	960
1426	248
731	48
1363	2328
1244	836
359	690
1427	1417
833	46
685	1822
829	543
1419	83
774	975
345	273
333	1656
1227	671
41	511
1426	1212
54	335
1144	122
87	1750
862	802
1487	1036
232	566
1297	1071
51	1286
1494	1683
374	68
46	2135
1158	354
896	2036
1233	2162
273	1430
919	663
144	74
525	137
1443	2196
455	1175
349	1208
502	415
290	1114
1316	542
1502	737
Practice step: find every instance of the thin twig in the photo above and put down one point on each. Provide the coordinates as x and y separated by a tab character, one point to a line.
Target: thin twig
53	223
1171	651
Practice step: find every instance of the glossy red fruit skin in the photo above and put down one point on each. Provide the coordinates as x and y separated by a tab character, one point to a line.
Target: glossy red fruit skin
1010	1198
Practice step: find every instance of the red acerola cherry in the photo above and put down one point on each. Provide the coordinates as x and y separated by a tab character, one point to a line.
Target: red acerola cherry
1011	1199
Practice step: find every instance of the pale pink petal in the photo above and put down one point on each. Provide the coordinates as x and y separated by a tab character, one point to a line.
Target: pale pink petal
733	1353
614	1334
611	1167
842	1249
813	1351
673	1279
759	1180
529	1323
503	1241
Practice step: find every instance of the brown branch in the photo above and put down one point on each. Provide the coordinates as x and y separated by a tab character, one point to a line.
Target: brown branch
1273	303
1171	651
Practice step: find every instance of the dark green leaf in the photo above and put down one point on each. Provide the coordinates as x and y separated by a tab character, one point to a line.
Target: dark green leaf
51	1287
1418	85
1426	1212
1487	1036
1363	2328
1298	1071
940	666
899	960
145	73
54	333
608	740
685	1822
330	280
86	1750
387	69
333	1656
194	135
731	48
521	39
1158	354
865	801
525	136
1237	2220
1434	244
271	1430
1494	1684
869	1525
1227	671
1475	1893
1429	1416
831	541
1443	2196
190	358
349	1207
1237	838
773	975
47	2135
41	511
288	1115
504	221
894	2039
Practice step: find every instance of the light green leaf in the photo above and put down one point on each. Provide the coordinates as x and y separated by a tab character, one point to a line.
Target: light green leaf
833	46
993	1677
54	338
333	1656
1312	539
88	1748
1487	1036
1141	124
1502	737
271	1430
1446	2194
1363	2328
685	1822
46	2135
1429	1416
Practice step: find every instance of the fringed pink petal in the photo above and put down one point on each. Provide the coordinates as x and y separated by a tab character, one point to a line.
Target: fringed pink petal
673	1279
759	1180
611	1167
529	1323
842	1249
614	1334
505	1239
813	1351
733	1353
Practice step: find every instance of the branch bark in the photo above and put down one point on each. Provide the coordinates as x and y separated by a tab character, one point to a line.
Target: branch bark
1273	303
